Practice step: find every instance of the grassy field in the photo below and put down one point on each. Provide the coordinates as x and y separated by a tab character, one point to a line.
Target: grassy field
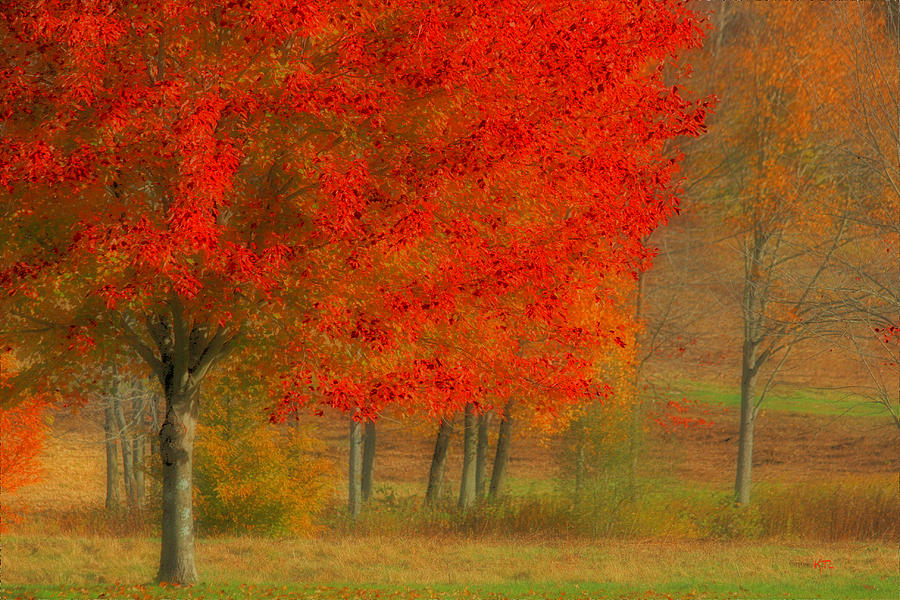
826	490
785	399
447	567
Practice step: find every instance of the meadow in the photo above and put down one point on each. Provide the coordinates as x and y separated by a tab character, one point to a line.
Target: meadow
822	525
455	567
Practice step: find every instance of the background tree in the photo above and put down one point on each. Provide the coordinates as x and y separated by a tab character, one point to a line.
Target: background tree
439	461
128	421
769	173
866	289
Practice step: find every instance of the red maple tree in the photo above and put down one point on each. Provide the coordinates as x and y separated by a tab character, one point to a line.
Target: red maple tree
397	192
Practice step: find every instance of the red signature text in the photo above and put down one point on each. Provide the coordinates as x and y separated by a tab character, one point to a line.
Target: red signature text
822	564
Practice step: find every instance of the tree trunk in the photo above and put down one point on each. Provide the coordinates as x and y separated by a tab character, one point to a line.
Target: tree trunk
368	460
439	461
355	467
753	304
501	457
481	456
112	461
748	420
176	443
127	455
187	349
153	407
139	445
470	443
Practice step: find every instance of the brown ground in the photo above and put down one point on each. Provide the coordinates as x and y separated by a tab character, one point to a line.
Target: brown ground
788	447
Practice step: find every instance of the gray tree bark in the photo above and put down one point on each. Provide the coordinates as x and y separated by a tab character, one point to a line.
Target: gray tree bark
753	305
748	421
155	456
185	352
125	440
176	443
368	460
637	408
470	443
139	445
111	434
439	461
154	427
355	475
501	457
481	453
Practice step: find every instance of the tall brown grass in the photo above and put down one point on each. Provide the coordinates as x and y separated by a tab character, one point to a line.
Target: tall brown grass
847	508
91	521
851	508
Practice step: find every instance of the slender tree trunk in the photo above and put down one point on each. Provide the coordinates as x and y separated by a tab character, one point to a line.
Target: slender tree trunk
501	457
748	421
637	408
127	455
110	431
753	304
355	474
368	460
139	445
481	453
470	443
176	443
439	461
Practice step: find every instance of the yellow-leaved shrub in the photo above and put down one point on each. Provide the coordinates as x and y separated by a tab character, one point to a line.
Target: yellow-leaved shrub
255	477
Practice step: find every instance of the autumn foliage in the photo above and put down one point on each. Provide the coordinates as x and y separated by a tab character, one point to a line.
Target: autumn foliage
254	477
419	204
22	431
421	180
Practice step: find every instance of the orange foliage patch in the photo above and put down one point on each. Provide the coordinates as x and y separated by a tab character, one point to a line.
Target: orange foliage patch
22	429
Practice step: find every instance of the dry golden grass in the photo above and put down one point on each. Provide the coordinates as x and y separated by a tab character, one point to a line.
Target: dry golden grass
436	561
73	467
840	508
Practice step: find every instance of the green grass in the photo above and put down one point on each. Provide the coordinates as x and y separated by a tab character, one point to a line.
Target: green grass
451	567
781	399
832	589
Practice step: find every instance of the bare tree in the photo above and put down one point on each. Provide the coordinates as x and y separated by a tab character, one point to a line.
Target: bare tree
868	286
768	174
